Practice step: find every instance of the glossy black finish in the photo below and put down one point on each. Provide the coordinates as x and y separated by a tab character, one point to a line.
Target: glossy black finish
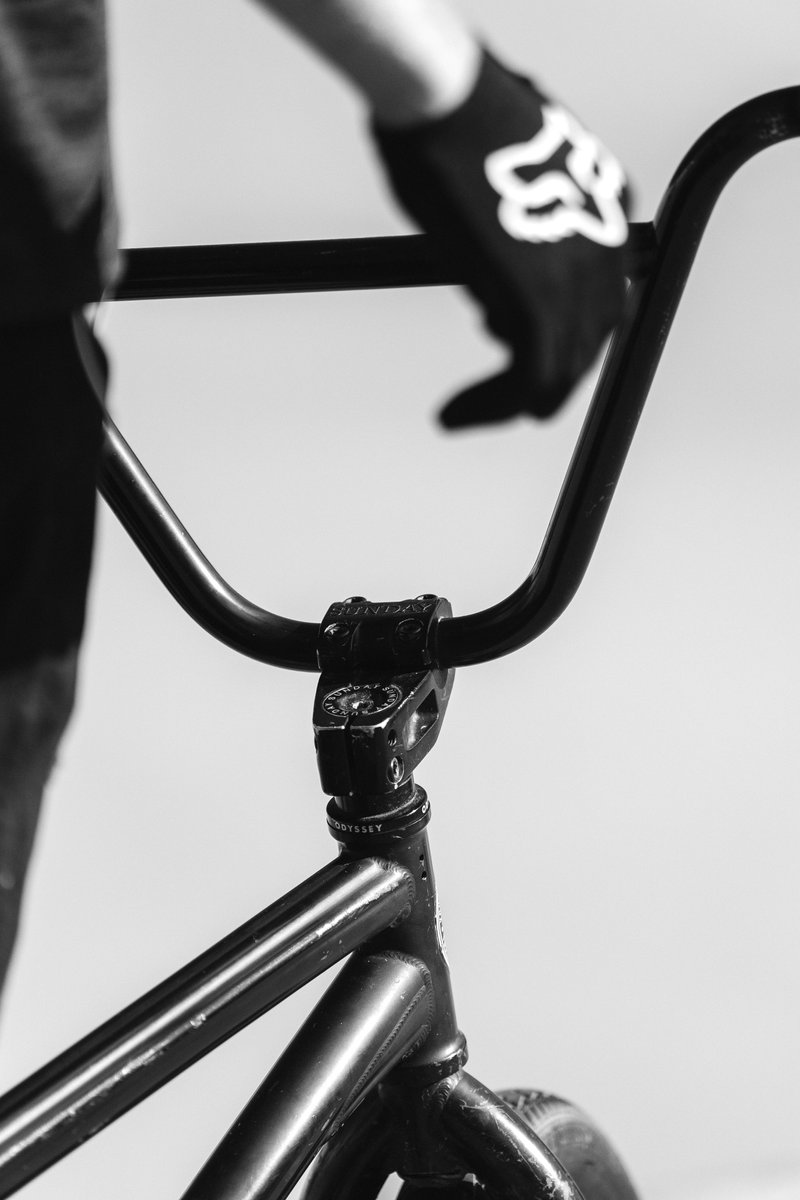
500	1148
433	1137
360	638
356	1161
399	835
430	1122
187	573
105	1074
609	427
421	937
268	268
380	1007
371	736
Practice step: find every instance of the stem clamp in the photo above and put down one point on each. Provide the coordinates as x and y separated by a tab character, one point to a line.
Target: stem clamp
380	698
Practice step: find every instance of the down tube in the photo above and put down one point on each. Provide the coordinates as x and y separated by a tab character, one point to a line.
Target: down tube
378	1009
132	1055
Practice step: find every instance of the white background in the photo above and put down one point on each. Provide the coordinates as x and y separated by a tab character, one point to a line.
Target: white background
616	808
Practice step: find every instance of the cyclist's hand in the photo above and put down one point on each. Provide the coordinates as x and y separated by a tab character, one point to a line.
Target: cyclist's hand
535	210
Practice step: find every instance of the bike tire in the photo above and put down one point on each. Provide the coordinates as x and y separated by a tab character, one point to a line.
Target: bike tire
583	1151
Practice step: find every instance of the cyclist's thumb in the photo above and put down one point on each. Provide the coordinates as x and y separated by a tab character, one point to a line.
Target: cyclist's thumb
501	397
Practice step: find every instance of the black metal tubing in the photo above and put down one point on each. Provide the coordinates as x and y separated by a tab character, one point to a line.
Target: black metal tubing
377	1010
664	253
278	268
358	1158
433	1138
132	1055
500	1147
186	572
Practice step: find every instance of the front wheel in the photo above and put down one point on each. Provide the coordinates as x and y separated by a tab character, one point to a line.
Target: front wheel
583	1151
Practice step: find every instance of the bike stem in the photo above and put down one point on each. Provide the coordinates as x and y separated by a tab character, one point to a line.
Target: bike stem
378	711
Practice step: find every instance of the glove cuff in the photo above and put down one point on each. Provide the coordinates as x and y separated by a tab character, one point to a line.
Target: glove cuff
494	99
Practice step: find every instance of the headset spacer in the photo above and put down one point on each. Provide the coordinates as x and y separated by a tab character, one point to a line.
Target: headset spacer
371	830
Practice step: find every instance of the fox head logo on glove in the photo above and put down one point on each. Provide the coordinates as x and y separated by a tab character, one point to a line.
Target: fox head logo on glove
553	205
537	225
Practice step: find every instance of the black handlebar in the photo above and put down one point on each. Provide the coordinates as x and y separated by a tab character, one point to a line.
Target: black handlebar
662	256
280	268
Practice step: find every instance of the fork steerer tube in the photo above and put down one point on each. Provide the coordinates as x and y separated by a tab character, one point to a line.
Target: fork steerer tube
290	943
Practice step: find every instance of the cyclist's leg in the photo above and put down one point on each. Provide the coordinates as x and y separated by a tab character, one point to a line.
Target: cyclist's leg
35	704
49	446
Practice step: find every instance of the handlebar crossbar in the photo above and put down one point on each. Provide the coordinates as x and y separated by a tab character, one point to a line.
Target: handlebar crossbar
662	254
281	268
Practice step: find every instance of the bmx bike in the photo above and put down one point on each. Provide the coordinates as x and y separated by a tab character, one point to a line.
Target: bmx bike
374	1083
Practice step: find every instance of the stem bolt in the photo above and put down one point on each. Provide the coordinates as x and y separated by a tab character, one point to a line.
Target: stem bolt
409	630
395	772
337	632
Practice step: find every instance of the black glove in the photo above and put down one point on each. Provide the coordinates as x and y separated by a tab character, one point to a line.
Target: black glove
534	210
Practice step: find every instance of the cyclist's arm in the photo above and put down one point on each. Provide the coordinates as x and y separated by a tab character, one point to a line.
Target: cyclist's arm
411	59
530	204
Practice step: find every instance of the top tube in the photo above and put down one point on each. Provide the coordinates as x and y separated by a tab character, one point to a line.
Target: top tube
661	256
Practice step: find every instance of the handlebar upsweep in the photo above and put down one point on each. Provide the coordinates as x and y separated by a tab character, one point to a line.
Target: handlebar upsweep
662	254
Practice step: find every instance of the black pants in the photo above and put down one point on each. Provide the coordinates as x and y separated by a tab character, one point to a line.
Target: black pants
50	431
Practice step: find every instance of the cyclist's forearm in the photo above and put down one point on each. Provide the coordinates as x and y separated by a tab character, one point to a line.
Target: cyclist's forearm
411	59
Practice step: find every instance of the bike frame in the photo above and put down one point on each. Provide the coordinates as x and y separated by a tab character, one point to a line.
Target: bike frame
375	1075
